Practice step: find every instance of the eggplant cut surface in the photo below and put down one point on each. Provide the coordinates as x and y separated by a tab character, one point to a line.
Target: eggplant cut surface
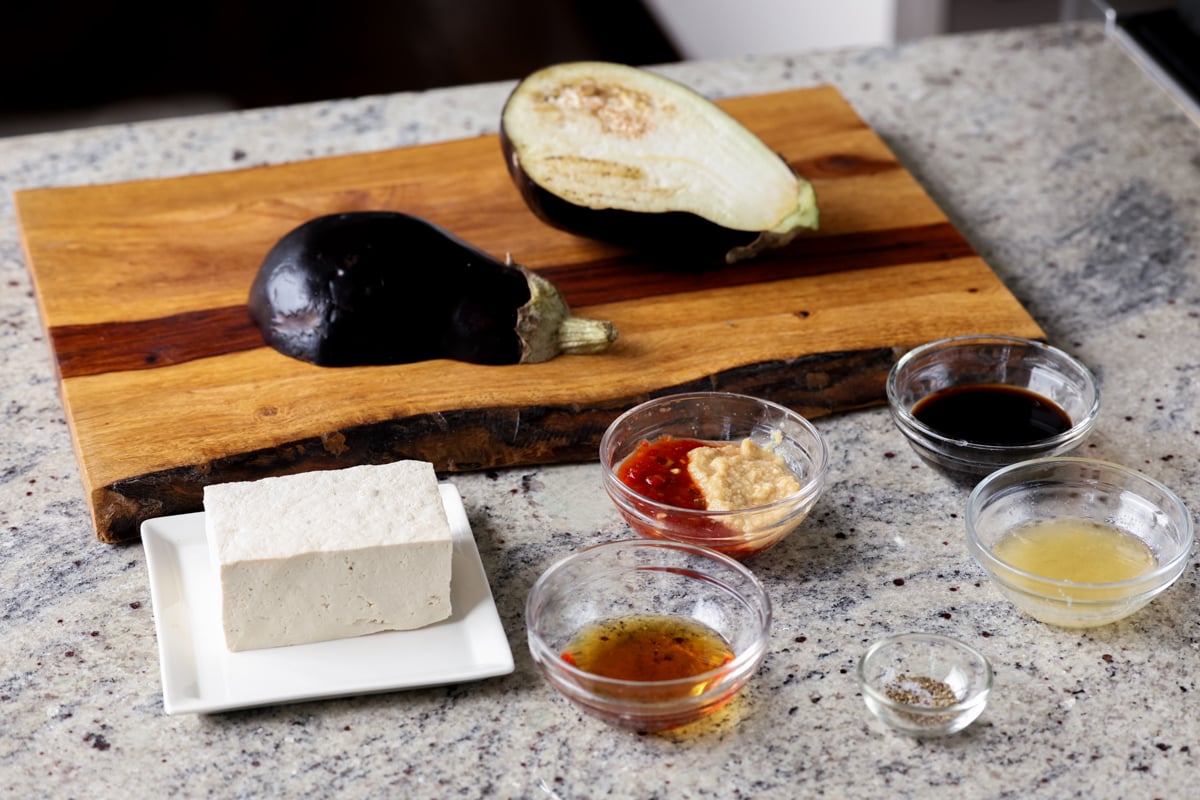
622	154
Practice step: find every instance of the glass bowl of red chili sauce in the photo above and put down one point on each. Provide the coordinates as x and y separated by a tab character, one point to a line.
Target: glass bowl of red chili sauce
648	635
727	471
970	405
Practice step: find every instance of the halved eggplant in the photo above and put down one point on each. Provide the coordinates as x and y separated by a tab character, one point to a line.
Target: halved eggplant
621	154
380	287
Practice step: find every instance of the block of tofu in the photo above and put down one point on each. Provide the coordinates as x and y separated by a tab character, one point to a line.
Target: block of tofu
330	554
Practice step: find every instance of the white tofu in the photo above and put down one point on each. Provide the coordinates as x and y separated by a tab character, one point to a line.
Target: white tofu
330	554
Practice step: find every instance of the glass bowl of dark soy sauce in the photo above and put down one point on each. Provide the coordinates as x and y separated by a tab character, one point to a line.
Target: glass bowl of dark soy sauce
970	405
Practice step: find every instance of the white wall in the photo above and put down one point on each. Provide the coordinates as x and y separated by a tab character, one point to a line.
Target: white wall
730	28
724	28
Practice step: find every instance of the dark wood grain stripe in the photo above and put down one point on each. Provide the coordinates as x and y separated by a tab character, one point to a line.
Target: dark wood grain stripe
842	165
622	278
146	344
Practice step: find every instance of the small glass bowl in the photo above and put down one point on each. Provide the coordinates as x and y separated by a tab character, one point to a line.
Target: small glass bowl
991	360
1089	491
924	684
640	577
725	418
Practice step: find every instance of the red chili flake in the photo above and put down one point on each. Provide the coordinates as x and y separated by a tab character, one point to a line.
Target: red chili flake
898	581
135	605
889	454
1107	658
985	634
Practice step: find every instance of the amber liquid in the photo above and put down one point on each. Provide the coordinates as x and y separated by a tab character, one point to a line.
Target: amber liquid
992	414
649	647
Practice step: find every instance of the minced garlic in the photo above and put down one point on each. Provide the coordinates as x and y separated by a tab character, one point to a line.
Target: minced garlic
737	476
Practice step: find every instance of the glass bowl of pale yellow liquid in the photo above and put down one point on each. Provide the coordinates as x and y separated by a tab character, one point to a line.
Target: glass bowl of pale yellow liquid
1077	542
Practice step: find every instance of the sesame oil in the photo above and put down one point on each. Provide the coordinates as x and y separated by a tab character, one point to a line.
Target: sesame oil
649	647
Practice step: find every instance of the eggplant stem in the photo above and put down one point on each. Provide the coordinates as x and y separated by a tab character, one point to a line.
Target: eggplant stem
583	336
547	327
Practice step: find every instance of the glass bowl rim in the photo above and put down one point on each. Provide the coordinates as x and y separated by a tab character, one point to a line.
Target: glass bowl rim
1153	579
911	424
740	664
809	489
974	698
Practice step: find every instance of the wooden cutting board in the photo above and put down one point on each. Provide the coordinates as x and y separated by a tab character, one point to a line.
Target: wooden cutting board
167	387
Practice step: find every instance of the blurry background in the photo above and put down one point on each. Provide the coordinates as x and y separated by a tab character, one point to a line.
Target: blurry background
76	63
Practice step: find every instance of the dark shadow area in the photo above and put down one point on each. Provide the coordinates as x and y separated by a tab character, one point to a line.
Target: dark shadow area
63	55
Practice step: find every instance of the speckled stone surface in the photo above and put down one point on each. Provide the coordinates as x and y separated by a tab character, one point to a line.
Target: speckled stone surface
1074	176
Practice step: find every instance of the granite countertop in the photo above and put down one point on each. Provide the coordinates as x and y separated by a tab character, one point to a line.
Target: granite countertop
1072	174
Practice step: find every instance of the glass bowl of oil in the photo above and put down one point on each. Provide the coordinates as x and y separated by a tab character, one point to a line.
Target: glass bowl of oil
924	684
648	634
1078	542
970	405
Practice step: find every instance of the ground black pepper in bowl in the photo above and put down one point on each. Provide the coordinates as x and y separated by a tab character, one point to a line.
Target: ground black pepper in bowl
924	684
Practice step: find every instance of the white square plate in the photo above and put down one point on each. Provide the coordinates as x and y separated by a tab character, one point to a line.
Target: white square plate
199	675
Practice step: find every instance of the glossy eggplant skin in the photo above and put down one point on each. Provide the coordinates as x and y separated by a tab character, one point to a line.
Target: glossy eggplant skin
380	287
